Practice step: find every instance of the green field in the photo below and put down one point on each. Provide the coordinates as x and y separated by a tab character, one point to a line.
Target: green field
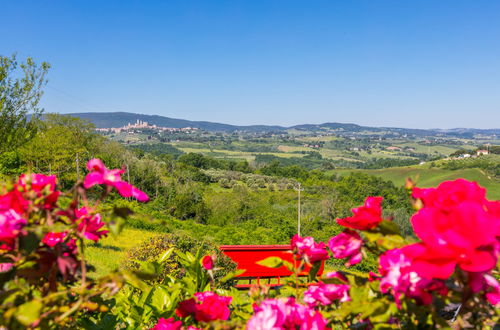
430	177
109	253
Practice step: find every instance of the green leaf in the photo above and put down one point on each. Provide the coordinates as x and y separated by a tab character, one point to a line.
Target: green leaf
166	255
271	262
314	271
29	312
160	298
388	227
231	275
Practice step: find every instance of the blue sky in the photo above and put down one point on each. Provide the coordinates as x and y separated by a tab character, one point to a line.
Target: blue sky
381	63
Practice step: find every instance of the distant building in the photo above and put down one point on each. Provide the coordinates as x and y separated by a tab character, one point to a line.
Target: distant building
393	148
482	152
139	124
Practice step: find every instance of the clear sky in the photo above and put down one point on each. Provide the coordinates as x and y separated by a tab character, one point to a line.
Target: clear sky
381	63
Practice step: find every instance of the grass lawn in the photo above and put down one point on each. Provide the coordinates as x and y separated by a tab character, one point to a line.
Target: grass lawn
108	254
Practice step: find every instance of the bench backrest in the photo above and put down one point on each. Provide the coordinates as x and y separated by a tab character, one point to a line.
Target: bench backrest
247	256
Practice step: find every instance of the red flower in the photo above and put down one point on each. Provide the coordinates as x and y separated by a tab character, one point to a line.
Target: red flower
38	182
52	239
207	262
305	248
365	217
167	324
347	245
99	174
43	185
457	226
12	206
90	224
205	307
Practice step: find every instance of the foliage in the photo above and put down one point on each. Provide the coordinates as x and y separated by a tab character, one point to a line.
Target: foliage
20	92
175	282
160	244
43	270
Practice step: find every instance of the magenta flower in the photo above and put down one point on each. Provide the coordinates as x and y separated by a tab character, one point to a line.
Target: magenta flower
207	262
90	224
5	267
205	307
305	248
325	294
347	245
11	225
167	324
364	217
399	277
99	174
285	314
38	182
52	239
337	275
487	283
43	185
457	226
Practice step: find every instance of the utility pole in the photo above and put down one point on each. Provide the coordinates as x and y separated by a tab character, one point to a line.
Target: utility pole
298	208
77	168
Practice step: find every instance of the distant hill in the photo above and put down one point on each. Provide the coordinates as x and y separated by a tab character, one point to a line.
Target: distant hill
118	119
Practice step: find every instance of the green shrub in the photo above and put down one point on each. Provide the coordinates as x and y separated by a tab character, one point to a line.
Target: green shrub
156	246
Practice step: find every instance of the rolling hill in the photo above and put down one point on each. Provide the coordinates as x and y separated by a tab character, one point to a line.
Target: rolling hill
118	119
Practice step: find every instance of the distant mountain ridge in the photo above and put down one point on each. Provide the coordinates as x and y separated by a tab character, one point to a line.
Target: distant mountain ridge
119	119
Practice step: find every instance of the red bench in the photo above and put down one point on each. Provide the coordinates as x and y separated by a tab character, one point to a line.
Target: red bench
247	256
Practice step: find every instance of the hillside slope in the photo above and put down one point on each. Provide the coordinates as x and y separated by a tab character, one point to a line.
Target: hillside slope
431	177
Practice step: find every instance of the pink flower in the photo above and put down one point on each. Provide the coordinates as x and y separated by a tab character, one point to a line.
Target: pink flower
43	185
52	239
167	324
325	294
90	224
457	226
205	307
5	267
99	174
337	275
305	248
285	313
487	283
207	262
365	217
347	245
38	182
400	278
11	225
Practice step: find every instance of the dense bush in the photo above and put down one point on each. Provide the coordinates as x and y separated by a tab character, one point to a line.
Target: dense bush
152	248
